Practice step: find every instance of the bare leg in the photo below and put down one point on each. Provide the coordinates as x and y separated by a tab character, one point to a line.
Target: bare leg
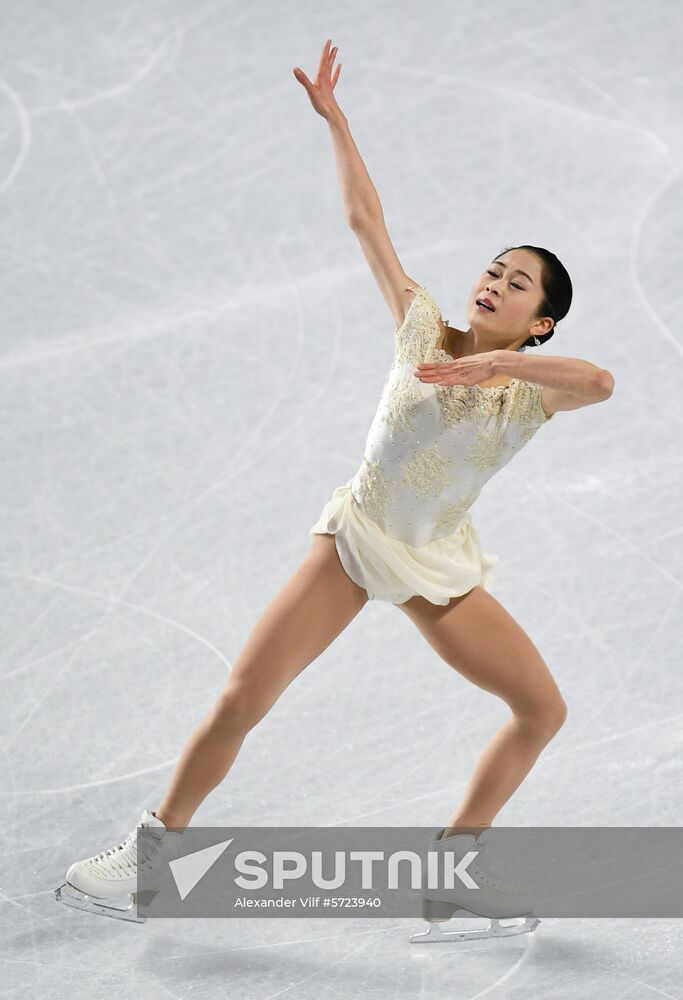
475	635
311	610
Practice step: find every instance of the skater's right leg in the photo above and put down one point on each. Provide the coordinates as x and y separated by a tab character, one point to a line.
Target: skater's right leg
311	610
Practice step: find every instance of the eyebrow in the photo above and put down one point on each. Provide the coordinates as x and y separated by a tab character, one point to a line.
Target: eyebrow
517	271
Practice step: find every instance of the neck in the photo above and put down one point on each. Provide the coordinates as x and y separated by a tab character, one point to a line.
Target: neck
479	343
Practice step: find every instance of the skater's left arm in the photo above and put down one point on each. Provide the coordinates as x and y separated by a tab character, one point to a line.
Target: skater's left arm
568	382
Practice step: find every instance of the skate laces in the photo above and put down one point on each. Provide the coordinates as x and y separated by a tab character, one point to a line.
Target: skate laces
123	859
487	873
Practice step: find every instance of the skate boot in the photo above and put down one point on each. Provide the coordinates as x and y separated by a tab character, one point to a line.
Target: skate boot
107	883
494	899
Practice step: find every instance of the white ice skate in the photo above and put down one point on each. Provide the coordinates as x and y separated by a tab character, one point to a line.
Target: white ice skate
507	907
107	883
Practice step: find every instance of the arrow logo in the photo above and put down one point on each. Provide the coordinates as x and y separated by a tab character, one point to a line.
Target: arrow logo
189	870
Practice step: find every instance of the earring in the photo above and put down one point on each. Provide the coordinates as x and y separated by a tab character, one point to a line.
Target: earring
537	341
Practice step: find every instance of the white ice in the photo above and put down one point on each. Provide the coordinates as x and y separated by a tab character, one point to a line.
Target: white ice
192	346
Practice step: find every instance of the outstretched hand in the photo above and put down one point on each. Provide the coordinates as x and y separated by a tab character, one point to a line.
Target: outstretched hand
470	370
320	92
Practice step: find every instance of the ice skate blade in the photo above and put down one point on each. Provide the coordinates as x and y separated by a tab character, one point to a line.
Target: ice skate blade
125	908
497	928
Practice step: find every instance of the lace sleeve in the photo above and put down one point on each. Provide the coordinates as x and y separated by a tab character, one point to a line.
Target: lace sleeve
528	408
418	291
540	415
420	326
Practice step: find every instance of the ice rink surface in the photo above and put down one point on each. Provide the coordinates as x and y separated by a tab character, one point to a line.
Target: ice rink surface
192	348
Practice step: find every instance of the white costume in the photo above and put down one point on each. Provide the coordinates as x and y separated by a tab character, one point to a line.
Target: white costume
402	524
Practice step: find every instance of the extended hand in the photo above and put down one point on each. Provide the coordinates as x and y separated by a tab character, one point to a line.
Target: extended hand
469	370
320	92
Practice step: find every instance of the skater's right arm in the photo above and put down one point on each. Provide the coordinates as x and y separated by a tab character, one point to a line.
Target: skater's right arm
361	202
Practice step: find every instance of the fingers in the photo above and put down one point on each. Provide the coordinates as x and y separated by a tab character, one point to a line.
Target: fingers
328	56
326	60
302	78
426	372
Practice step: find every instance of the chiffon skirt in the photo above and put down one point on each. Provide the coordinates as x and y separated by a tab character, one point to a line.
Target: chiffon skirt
391	570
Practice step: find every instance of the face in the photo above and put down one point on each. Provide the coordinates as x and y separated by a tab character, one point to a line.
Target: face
513	284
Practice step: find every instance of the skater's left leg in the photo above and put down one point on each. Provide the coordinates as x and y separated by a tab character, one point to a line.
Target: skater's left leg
476	636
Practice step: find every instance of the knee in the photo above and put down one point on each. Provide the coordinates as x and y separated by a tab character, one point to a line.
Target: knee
552	717
546	719
235	712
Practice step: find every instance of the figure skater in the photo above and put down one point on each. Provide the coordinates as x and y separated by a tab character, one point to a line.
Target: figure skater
456	406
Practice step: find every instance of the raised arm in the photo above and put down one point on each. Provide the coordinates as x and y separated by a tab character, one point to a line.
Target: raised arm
361	202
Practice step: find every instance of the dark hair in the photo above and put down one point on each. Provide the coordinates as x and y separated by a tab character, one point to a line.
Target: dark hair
557	288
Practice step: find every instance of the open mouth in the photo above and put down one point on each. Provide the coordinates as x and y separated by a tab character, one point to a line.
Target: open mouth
480	305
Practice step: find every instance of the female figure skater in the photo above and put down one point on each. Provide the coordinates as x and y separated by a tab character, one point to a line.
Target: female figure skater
456	406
